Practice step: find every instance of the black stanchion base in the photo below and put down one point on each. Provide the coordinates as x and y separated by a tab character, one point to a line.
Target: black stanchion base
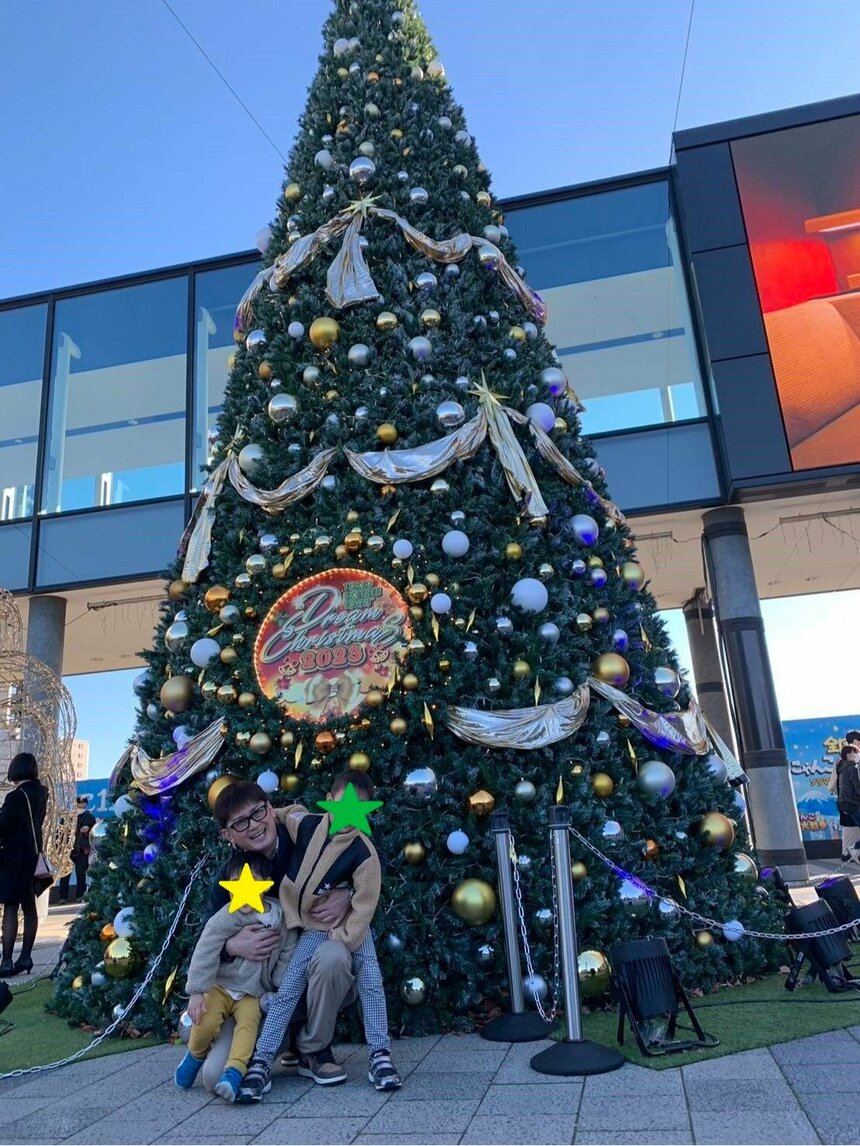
577	1057
525	1028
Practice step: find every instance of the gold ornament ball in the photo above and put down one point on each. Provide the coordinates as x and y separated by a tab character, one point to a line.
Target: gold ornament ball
650	850
375	543
286	739
107	933
290	782
416	612
373	77
398	726
517	334
474	901
483	199
375	698
578	870
611	668
633	575
715	831
602	784
359	762
119	961
208	689
410	682
243	739
226	694
387	433
265	371
584	622
177	590
513	551
386	321
78	982
353	542
414	852
261	743
242	580
521	670
418	593
324	332
332	395
481	803
292	192
745	868
325	742
704	939
416	647
217	787
176	693
561	426
595	562
340	552
432	579
216	597
444	665
255	564
600	616
228	655
246	700
430	318
594	973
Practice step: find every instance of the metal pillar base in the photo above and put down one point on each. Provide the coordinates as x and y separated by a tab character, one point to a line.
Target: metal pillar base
580	1056
525	1028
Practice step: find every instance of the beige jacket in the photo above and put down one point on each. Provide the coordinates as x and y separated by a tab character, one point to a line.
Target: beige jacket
206	969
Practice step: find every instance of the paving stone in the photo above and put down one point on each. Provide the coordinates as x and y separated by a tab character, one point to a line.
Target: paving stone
658	1138
407	1140
219	1118
737	1096
754	1129
204	1139
287	1131
633	1079
560	1098
535	1128
108	1132
516	1068
346	1101
815	1078
832	1047
754	1064
601	1112
443	1087
835	1116
12	1108
55	1122
405	1117
440	1061
854	1032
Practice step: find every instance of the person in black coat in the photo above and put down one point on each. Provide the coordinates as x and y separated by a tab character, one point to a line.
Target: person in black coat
19	851
80	855
848	800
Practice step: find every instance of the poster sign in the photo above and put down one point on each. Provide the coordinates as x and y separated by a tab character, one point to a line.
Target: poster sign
328	641
813	749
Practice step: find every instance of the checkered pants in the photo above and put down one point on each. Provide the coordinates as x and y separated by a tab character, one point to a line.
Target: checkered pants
368	979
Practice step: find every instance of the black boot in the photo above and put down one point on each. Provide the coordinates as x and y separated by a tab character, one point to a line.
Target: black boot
7	970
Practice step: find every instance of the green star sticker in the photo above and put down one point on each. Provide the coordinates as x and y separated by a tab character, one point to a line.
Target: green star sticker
348	811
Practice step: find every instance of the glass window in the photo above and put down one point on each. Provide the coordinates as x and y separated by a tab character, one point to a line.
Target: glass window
217	295
116	427
22	354
609	268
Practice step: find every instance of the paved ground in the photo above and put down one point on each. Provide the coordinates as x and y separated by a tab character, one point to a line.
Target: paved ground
458	1089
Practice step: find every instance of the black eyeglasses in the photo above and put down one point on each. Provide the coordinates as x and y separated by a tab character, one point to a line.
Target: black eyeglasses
244	822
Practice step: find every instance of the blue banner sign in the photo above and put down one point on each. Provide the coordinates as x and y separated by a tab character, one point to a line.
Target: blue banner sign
813	749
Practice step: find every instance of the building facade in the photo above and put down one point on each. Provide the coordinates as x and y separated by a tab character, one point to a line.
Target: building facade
708	315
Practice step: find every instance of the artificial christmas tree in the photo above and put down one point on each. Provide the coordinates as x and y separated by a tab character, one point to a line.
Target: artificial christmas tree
405	560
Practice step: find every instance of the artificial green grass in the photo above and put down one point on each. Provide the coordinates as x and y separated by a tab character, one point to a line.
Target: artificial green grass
39	1037
756	1015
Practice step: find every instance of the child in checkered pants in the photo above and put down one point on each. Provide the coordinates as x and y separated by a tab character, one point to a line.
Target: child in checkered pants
322	861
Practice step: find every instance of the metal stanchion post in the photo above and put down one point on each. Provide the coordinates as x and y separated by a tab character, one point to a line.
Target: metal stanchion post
520	1026
575	1055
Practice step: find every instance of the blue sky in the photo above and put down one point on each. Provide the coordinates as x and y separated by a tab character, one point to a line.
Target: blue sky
124	151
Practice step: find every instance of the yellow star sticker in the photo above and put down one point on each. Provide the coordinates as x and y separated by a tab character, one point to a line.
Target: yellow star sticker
246	890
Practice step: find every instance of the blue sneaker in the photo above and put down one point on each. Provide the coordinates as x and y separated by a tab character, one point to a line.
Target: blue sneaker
228	1084
187	1071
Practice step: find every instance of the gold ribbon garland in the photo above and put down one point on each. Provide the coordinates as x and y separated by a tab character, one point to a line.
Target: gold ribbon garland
399	466
521	728
733	765
677	731
154	777
518	473
349	281
550	452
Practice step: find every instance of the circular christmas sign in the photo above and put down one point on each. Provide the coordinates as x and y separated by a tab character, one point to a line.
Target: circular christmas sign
328	641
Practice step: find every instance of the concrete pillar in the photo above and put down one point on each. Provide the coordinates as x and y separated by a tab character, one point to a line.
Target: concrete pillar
46	632
708	666
762	746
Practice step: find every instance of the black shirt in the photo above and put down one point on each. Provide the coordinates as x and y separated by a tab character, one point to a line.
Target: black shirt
219	896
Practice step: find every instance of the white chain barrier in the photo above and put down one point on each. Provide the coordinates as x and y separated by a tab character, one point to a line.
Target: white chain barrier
732	930
556	970
130	1005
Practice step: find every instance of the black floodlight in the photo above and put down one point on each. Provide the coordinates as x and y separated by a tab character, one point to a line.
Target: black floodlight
649	995
827	954
6	997
840	895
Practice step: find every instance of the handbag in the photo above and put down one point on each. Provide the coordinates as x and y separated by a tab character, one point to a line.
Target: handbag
43	875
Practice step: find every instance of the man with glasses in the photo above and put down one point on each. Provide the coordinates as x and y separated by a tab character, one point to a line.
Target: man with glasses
250	823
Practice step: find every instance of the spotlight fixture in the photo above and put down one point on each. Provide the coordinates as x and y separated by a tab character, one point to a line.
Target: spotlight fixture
650	994
5	999
827	954
841	897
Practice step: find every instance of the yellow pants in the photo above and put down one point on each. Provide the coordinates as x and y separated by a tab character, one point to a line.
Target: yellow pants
219	1007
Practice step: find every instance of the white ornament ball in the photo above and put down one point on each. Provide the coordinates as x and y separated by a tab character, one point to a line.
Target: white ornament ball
441	603
204	652
340	46
455	543
542	415
262	240
124	924
268	781
324	159
530	595
403	548
180	736
534	985
457	842
296	330
733	930
717	769
122	806
656	779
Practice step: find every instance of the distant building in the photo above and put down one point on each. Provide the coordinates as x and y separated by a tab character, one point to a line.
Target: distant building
81	759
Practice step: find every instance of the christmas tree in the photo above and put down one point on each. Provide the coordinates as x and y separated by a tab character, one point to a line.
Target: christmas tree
406	560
